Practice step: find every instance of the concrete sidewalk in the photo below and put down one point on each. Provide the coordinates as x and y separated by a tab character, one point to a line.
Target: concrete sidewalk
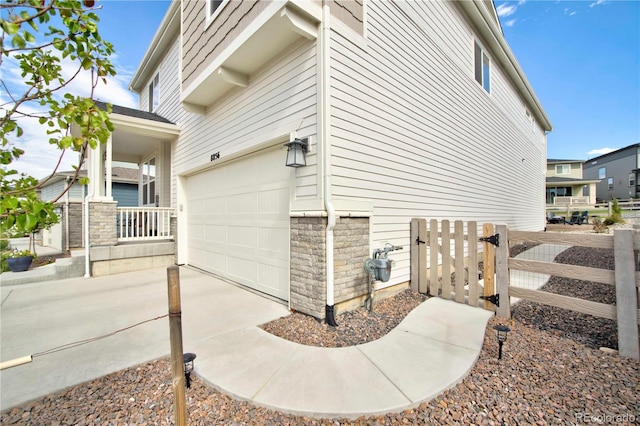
430	351
433	348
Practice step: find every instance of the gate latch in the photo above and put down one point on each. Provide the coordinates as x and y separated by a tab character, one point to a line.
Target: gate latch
419	241
494	239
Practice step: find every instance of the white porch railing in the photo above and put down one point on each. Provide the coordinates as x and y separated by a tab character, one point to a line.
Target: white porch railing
143	223
563	201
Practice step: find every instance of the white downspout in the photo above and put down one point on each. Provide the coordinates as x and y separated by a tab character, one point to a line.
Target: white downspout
87	266
325	91
66	216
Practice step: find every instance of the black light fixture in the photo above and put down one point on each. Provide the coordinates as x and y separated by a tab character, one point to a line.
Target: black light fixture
188	366
501	331
296	152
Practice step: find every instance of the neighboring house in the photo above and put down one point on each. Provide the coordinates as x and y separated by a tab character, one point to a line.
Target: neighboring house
68	232
566	185
617	172
409	109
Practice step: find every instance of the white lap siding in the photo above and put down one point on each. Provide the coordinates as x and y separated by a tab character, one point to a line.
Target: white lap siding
415	134
279	99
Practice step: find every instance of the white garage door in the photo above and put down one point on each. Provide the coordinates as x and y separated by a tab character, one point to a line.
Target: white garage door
238	222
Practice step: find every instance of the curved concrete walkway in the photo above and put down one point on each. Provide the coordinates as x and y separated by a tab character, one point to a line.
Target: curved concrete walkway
433	348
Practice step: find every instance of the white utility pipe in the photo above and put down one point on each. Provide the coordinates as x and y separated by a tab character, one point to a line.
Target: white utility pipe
87	264
325	36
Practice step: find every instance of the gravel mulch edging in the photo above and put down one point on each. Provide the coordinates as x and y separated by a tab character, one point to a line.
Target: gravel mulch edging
550	374
354	327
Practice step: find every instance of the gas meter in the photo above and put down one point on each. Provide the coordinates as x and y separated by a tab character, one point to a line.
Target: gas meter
378	266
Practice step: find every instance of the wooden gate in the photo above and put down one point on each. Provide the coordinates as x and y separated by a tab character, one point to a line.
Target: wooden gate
440	268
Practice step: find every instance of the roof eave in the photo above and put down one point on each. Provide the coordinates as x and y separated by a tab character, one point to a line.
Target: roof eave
165	35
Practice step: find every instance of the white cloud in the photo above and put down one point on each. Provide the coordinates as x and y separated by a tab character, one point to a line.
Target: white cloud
598	3
600	151
510	23
506	9
40	157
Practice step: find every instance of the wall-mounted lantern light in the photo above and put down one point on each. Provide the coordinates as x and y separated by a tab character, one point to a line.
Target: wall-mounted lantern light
296	152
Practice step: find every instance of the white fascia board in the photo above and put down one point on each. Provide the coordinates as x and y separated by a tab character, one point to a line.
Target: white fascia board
144	127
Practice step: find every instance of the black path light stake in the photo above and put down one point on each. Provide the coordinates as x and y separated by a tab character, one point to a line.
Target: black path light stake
502	331
188	366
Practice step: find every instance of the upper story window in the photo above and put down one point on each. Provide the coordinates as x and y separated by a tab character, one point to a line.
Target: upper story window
154	93
602	172
563	169
482	67
214	7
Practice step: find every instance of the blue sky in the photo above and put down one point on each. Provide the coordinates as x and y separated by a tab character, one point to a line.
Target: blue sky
581	57
583	60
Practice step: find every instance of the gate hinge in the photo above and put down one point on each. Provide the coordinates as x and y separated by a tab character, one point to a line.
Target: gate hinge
494	239
494	298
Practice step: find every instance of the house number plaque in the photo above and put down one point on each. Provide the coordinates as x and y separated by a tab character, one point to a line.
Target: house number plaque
215	156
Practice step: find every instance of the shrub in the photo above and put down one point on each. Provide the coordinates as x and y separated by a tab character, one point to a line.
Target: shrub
599	226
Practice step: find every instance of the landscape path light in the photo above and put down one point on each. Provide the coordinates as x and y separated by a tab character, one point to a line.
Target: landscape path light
188	366
501	331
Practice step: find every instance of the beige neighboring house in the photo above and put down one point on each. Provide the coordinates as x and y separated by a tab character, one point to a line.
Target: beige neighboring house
400	109
565	184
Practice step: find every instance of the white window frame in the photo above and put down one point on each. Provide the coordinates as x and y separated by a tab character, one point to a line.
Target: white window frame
610	183
148	181
479	72
632	179
154	93
211	15
560	169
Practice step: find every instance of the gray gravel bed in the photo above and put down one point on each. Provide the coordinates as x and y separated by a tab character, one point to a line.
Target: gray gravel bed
550	373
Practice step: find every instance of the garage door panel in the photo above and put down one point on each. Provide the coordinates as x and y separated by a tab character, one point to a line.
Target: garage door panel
273	277
243	204
242	269
274	240
238	217
214	234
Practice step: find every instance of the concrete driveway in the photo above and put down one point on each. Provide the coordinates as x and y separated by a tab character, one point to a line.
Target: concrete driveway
38	317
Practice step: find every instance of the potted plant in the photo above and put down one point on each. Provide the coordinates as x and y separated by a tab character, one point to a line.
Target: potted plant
20	260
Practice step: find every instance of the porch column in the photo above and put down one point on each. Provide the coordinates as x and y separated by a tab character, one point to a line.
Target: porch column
108	165
94	173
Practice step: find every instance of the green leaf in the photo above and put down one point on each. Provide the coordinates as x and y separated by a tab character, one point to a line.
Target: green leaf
10	27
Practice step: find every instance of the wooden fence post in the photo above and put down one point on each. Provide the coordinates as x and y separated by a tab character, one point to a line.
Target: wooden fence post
472	244
626	294
175	336
458	227
434	285
419	255
445	231
502	272
488	258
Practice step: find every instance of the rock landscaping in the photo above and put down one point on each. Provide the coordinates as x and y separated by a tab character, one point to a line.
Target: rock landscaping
551	372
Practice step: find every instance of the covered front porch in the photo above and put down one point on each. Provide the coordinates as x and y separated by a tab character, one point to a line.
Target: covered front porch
135	232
